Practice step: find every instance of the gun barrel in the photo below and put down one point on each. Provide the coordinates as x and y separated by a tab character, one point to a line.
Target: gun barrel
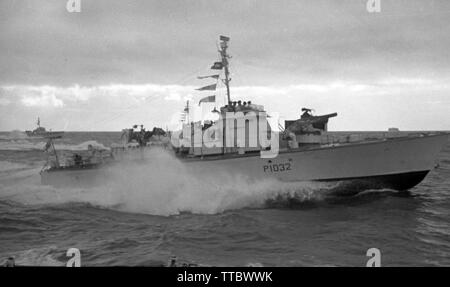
329	115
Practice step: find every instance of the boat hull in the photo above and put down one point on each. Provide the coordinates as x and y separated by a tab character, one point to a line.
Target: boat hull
398	164
45	134
400	181
75	177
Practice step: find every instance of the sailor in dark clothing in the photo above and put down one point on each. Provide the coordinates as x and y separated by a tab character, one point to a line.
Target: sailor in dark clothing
173	261
77	159
10	262
142	141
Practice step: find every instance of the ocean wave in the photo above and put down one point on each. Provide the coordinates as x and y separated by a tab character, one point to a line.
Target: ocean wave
166	200
43	256
21	145
6	166
165	186
39	144
13	135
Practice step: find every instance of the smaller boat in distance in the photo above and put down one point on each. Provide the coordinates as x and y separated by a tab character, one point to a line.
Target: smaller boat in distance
42	132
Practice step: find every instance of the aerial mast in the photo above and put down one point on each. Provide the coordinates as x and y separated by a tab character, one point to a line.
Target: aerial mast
223	53
186	110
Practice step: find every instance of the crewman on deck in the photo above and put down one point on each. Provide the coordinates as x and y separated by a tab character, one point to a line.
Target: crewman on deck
77	159
173	261
10	262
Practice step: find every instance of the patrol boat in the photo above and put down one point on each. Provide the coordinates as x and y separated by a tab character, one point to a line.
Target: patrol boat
305	150
242	143
42	132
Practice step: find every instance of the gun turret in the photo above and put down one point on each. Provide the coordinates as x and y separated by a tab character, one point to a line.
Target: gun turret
309	123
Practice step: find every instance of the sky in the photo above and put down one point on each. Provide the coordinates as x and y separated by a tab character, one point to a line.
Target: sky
120	63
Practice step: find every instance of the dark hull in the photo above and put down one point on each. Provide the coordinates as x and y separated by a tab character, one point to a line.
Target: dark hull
399	181
76	176
397	164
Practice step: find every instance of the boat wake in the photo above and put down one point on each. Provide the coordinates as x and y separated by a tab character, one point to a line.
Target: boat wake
162	185
43	256
26	144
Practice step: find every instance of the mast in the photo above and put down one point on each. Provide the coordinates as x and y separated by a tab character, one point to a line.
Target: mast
56	155
186	111
223	53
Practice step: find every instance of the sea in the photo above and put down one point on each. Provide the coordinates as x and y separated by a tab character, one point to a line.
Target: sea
153	212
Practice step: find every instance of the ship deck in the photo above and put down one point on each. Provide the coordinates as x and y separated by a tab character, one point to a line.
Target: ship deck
307	148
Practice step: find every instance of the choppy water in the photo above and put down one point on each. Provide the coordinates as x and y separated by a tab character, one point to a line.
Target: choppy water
147	215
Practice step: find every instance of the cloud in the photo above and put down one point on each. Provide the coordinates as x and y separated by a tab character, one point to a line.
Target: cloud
120	63
408	103
42	101
4	102
103	107
164	41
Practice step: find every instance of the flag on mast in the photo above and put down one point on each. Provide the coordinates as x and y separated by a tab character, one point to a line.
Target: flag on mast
208	88
210	99
217	66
